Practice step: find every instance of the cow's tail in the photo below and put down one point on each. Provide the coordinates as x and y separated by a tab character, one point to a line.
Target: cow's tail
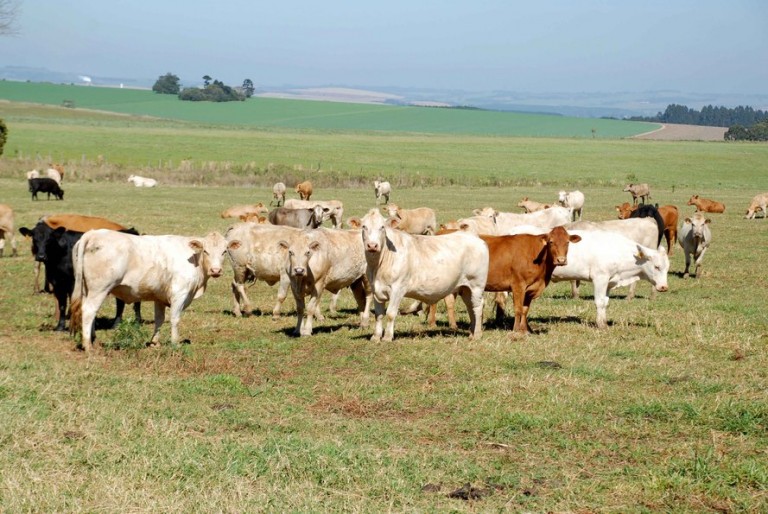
76	306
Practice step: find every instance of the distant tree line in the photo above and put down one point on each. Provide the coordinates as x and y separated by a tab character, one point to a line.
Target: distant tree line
709	116
212	90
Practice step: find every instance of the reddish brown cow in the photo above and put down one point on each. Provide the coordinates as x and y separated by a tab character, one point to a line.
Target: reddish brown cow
706	205
670	215
304	189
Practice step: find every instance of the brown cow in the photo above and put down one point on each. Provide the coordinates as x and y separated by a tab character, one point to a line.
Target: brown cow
706	205
304	189
238	211
670	215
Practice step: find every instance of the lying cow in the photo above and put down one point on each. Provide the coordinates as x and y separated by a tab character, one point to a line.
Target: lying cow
238	211
6	229
424	268
304	189
332	209
278	194
641	191
420	221
169	270
758	203
142	181
573	200
531	206
706	205
382	189
695	238
321	259
45	185
297	218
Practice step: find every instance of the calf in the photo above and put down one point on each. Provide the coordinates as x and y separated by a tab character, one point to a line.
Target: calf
168	270
531	206
304	189
706	205
758	203
382	189
316	260
420	221
332	209
425	268
641	191
6	229
45	185
573	200
278	194
695	238
297	218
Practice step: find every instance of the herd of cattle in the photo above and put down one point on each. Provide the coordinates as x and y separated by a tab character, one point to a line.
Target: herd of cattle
382	259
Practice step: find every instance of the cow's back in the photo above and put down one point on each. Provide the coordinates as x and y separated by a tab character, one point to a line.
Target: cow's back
80	223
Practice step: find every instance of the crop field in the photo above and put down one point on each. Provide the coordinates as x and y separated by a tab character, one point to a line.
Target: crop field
664	411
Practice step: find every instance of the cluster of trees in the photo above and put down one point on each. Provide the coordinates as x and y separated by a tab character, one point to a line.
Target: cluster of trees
212	90
709	116
757	132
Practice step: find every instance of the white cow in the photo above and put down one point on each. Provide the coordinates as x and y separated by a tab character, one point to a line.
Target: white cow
421	220
506	221
573	200
424	268
611	260
322	259
382	189
33	174
168	270
758	203
6	229
695	238
332	209
474	224
54	174
142	181
278	194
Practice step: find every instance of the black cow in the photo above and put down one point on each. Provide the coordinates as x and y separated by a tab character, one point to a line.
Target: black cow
45	185
649	211
53	247
297	218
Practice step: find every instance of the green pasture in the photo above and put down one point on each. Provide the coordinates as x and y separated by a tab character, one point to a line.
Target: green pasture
664	411
298	114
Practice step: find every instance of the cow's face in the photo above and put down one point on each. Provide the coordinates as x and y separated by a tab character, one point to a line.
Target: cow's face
297	255
212	249
374	230
41	236
562	196
557	242
654	265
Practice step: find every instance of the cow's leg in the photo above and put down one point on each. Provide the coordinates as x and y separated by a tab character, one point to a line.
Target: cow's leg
137	312
159	320
632	288
176	309
332	305
90	306
395	298
241	304
473	299
378	310
450	308
601	301
119	308
282	292
312	308
500	300
699	260
298	296
363	301
575	288
61	308
687	263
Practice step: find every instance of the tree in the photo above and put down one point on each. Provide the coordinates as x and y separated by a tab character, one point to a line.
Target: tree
167	84
248	88
3	135
9	13
207	80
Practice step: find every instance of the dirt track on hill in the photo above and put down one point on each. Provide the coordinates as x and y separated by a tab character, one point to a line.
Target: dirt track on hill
673	132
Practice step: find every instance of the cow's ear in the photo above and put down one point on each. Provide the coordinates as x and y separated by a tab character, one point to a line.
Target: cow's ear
574	238
314	246
262	220
687	220
476	212
283	244
24	231
707	220
234	245
640	254
196	245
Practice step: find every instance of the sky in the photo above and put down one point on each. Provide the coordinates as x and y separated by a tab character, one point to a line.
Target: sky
473	45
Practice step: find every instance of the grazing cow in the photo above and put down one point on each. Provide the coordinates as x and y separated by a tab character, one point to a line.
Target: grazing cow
695	238
304	189
573	200
238	211
424	268
531	206
33	174
316	260
168	270
758	203
142	181
642	191
611	260
382	189
53	248
278	194
6	229
505	222
332	209
706	205
45	185
298	218
420	221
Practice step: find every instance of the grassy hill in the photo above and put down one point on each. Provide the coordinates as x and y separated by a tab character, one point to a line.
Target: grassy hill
299	114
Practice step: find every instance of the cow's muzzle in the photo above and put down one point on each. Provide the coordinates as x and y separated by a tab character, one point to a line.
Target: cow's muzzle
299	271
215	272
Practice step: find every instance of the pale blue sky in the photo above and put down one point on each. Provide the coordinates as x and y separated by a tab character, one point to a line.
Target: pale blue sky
478	45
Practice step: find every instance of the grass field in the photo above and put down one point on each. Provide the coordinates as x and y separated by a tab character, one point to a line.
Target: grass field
665	411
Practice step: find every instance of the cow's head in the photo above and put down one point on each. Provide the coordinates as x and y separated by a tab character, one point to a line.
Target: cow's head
698	223
692	200
317	217
562	197
392	210
654	265
374	231
211	250
556	243
297	255
625	210
40	235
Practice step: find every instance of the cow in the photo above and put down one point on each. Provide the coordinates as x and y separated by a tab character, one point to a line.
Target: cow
426	268
332	209
610	260
474	224
382	189
278	194
695	238
531	206
316	260
142	181
55	170
53	247
33	174
420	221
238	211
169	270
54	174
255	218
573	200
304	189
45	185
6	229
706	205
758	203
505	222
642	191
669	216
297	218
